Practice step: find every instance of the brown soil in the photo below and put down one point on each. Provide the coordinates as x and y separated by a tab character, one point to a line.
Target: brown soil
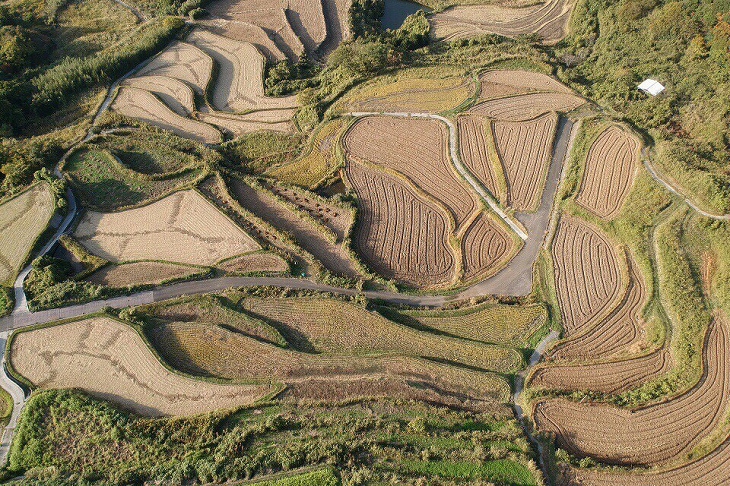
528	106
476	143
486	248
140	273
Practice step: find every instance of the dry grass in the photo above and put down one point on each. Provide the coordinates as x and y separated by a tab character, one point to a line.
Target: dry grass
22	220
110	360
479	153
140	273
506	82
183	227
255	263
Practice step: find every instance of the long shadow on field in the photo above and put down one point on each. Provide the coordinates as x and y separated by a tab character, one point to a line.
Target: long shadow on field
295	339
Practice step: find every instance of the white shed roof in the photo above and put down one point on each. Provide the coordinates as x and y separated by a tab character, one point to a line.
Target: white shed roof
651	86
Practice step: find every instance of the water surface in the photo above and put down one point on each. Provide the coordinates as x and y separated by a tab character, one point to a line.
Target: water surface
396	11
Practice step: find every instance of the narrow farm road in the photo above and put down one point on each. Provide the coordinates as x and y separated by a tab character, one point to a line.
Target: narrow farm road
19	399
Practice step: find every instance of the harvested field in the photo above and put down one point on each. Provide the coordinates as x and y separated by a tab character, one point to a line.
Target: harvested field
486	248
618	332
525	149
398	233
141	273
110	360
609	172
612	377
520	82
239	82
337	19
478	152
650	435
22	220
178	96
183	227
268	207
319	162
401	142
143	105
587	274
527	107
306	18
245	32
549	20
255	263
181	61
488	323
337	327
241	124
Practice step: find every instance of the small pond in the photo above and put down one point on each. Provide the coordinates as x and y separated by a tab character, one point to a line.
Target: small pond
396	12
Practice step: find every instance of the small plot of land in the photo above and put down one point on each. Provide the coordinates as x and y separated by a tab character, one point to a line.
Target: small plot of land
486	248
400	234
479	154
254	263
548	20
140	273
177	95
528	106
525	149
506	82
587	274
110	360
609	172
183	227
397	143
22	220
650	435
307	234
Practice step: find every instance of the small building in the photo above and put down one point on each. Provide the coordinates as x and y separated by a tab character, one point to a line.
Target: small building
651	86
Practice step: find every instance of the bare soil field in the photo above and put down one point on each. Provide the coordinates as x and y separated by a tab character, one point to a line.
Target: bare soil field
400	142
177	95
140	273
239	81
241	124
143	105
528	106
486	248
22	220
525	149
398	233
182	61
306	18
268	207
611	377
618	332
255	263
609	172
587	274
245	32
110	360
479	154
183	227
518	82
549	20
651	435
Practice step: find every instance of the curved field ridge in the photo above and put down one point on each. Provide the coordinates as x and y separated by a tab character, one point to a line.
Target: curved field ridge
549	20
521	82
621	329
486	247
418	149
184	62
143	105
177	95
528	106
587	274
183	227
475	141
22	220
525	149
610	377
609	172
398	233
239	82
110	360
650	435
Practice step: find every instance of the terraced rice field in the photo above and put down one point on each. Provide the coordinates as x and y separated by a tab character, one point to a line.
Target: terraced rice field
182	61
400	234
140	273
145	106
651	435
508	82
549	20
108	359
177	95
528	106
239	125
587	274
609	172
183	227
525	149
478	152
402	141
22	220
486	248
245	32
255	263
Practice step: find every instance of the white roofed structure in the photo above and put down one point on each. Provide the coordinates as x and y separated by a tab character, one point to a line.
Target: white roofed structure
651	86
